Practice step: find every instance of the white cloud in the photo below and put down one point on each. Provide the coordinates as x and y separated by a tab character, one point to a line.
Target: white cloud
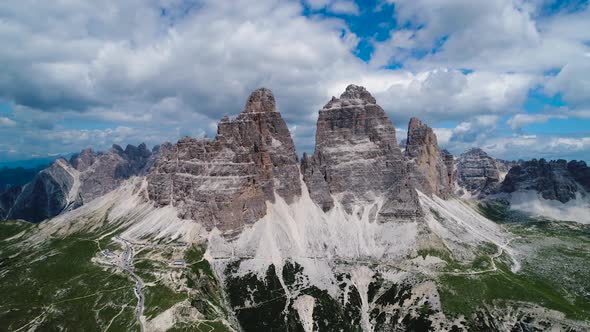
121	64
512	146
443	135
344	7
451	95
347	7
6	122
521	120
573	81
499	35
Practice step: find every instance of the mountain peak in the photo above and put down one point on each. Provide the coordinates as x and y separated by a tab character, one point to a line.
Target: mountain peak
419	133
475	151
357	159
415	122
260	100
225	182
357	92
432	172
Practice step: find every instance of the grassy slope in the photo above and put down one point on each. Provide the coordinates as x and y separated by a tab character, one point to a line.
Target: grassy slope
554	273
58	284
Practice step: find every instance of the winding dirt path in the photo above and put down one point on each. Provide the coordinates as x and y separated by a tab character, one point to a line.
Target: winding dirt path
139	284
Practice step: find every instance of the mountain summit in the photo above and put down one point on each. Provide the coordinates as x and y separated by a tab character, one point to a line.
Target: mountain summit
226	182
357	158
261	100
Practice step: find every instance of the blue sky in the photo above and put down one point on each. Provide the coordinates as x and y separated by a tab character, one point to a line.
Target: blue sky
510	76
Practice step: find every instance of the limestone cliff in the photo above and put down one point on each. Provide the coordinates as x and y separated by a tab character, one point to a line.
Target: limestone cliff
357	159
226	182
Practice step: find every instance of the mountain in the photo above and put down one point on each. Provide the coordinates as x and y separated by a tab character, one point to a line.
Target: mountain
556	189
67	185
479	174
553	180
432	168
7	200
52	191
226	182
235	233
104	171
357	159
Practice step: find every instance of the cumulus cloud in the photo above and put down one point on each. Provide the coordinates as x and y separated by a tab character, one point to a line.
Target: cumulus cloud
109	71
573	82
348	7
452	95
500	35
512	146
124	63
521	120
6	122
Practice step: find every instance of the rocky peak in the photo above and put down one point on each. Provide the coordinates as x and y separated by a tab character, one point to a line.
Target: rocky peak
355	92
357	159
108	169
429	169
555	180
51	191
478	173
353	96
88	175
581	173
261	100
117	149
136	153
420	137
83	160
226	182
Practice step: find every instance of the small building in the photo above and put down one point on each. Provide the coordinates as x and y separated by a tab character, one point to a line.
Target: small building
178	263
107	253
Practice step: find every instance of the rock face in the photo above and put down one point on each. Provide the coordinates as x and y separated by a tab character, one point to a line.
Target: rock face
83	160
432	170
7	200
555	180
357	159
478	173
64	186
101	173
580	172
226	182
50	192
449	161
